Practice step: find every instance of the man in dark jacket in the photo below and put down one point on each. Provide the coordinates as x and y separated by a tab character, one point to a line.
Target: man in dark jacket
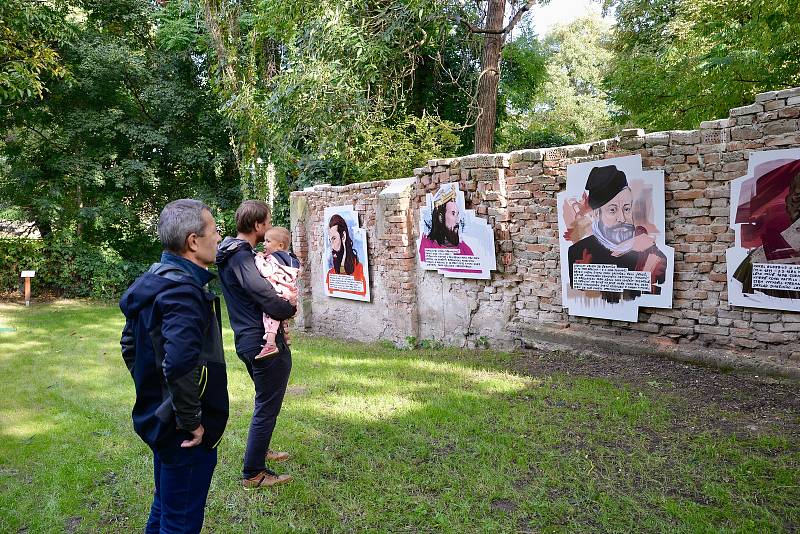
172	346
248	296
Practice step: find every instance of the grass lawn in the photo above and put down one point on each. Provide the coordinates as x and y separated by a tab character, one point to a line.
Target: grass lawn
383	440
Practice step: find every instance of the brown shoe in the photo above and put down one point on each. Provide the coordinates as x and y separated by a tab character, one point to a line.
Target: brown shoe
265	478
277	456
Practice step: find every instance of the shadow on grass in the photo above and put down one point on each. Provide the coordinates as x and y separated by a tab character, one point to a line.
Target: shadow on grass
383	440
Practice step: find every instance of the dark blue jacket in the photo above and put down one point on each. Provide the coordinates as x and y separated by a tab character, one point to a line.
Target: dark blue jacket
248	295
172	346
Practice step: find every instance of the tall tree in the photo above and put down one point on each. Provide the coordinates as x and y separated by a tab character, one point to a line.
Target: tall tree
573	100
347	89
495	35
31	34
134	128
567	102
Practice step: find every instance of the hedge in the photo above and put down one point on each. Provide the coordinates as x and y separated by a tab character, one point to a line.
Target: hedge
67	266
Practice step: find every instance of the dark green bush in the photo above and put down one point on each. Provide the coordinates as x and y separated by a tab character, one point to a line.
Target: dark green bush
18	255
66	265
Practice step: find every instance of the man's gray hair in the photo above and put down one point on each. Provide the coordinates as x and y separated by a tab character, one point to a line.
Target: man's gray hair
178	220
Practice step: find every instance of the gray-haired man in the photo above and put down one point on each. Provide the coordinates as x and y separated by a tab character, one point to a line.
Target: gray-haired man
172	346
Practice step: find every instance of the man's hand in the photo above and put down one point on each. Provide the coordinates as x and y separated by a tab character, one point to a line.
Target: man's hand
197	437
640	243
291	296
643	242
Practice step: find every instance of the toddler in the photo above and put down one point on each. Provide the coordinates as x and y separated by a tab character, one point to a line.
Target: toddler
279	267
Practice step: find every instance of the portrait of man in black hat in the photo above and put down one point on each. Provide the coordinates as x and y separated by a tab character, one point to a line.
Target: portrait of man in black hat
615	238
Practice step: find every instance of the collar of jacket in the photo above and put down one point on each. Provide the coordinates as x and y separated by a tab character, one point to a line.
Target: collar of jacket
198	274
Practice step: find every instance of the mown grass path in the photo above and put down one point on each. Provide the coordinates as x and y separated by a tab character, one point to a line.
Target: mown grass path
384	440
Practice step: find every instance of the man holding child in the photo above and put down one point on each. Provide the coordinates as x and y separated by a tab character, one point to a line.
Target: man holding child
249	297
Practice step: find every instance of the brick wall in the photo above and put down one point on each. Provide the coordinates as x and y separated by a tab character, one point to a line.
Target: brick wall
516	194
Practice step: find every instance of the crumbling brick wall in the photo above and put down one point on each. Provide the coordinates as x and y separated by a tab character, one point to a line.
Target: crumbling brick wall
516	194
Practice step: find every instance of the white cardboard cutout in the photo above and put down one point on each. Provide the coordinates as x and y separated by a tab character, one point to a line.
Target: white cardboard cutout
474	255
609	278
777	265
355	284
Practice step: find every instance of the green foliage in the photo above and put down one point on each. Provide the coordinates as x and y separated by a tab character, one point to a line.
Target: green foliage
388	152
67	266
523	132
81	269
573	101
680	62
344	91
523	71
136	127
31	34
556	93
347	66
17	255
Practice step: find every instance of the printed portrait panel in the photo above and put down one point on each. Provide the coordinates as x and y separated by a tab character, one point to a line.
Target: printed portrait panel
764	263
344	260
611	236
453	241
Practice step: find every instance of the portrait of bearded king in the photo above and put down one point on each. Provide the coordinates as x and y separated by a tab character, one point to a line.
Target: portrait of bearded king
615	239
445	223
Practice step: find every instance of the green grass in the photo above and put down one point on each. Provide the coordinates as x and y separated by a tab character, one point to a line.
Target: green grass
383	440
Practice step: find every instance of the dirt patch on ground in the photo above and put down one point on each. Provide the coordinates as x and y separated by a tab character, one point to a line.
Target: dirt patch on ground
504	505
37	296
756	401
73	524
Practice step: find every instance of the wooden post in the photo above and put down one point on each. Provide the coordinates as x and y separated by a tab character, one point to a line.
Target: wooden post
27	275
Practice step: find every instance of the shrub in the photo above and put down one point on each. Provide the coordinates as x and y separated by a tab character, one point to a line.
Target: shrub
68	266
16	255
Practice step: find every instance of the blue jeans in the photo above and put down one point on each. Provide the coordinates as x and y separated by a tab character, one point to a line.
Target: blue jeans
182	478
270	376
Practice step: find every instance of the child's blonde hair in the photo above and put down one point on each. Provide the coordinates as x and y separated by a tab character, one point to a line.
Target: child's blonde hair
281	235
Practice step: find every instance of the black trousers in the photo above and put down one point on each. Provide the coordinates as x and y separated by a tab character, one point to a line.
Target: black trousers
270	376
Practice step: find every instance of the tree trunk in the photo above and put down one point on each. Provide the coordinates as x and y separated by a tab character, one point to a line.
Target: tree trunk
490	78
223	29
79	200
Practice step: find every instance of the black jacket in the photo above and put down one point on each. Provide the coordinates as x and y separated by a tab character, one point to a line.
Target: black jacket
247	295
172	346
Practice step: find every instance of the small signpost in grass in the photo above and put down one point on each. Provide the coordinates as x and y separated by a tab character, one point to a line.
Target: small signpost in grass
27	275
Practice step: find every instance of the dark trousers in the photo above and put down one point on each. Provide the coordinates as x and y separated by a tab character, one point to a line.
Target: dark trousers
182	478
270	376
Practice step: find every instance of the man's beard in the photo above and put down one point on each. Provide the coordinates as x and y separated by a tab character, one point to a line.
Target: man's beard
618	233
451	236
337	261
